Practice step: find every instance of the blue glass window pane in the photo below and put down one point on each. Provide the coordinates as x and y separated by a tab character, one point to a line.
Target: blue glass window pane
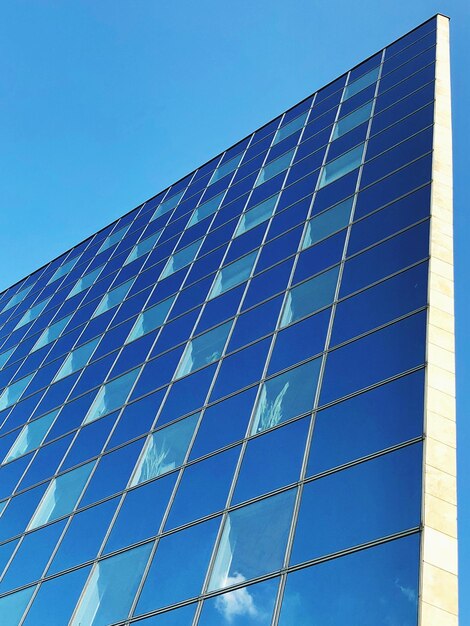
12	607
51	333
310	296
144	246
113	238
386	258
371	500
175	617
275	167
361	83
141	513
255	323
150	319
290	128
165	450
112	395
317	258
111	588
232	275
389	220
18	511
377	586
350	121
256	215
299	341
221	308
32	313
112	472
84	536
181	259
341	166
167	582
328	222
62	495
136	419
253	541
286	395
377	305
361	363
205	209
167	205
113	298
13	392
226	168
271	461
241	369
247	606
367	423
31	436
204	349
268	283
46	609
186	395
77	359
223	423
203	488
32	556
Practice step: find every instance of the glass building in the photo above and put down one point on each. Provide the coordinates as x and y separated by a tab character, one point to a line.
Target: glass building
235	404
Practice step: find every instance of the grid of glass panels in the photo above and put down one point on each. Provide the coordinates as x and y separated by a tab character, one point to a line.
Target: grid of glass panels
211	411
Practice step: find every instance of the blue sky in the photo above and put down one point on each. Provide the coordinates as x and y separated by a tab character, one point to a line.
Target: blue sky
105	103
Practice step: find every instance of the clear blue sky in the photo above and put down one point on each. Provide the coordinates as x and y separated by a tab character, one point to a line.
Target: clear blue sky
106	102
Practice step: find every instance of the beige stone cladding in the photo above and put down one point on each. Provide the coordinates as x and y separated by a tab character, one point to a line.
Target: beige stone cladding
438	604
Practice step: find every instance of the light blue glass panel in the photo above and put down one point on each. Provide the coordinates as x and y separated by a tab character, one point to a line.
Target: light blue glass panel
62	270
16	299
85	282
341	166
253	541
144	246
52	333
310	296
112	395
168	205
181	259
275	167
361	83
111	588
290	128
113	298
113	238
150	319
165	450
77	359
13	606
328	222
247	606
31	436
5	356
204	349
206	209
32	313
348	122
254	216
286	396
232	275
176	617
61	495
226	168
12	393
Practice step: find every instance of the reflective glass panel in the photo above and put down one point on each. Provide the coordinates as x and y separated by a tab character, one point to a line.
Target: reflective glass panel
290	128
181	259
32	313
31	436
165	450
61	495
341	166
150	319
275	167
85	282
286	396
204	349
350	121
113	298
111	588
256	215
51	333
361	83
328	222
144	246
77	359
205	209
112	395
253	541
310	296
232	275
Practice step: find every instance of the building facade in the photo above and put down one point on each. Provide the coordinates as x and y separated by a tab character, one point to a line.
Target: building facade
235	404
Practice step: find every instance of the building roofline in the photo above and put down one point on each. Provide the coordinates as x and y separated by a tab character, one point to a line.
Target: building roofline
220	153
